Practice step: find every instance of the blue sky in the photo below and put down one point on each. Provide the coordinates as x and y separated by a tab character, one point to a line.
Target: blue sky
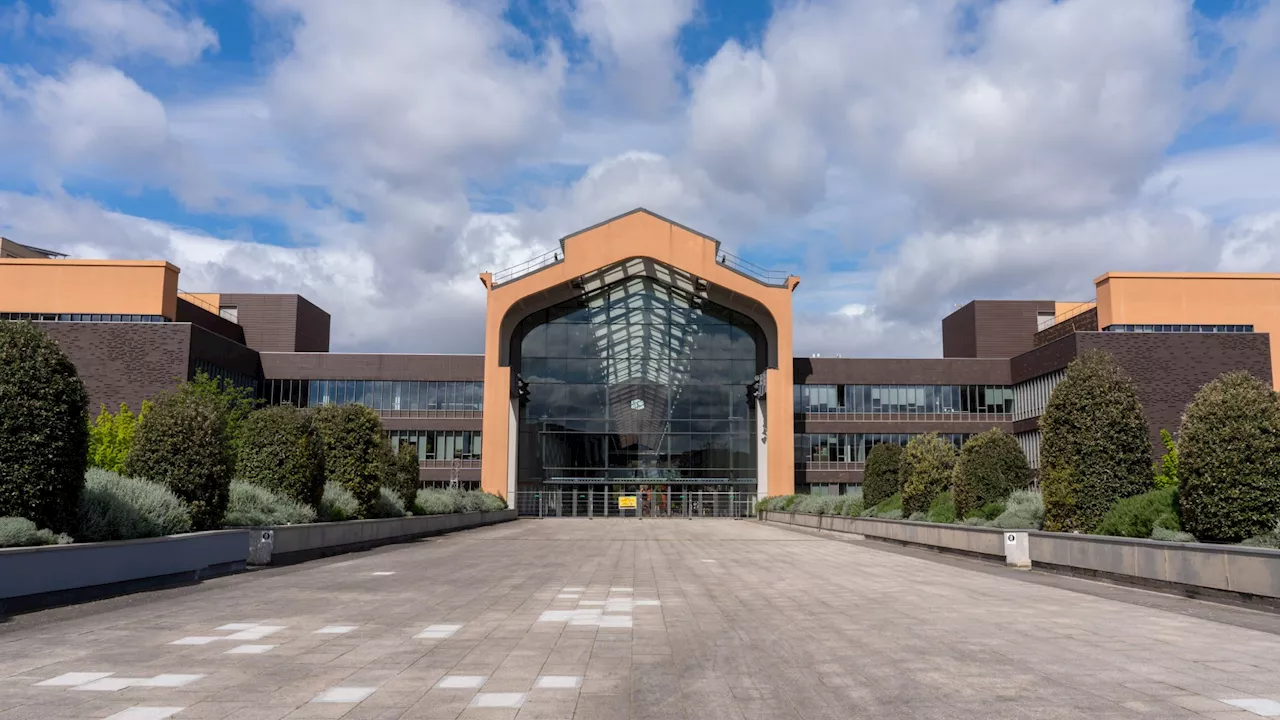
901	157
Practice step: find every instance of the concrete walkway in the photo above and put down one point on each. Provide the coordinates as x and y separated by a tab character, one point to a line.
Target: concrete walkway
609	619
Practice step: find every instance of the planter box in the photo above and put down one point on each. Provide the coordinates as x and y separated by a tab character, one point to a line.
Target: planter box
979	541
283	544
58	574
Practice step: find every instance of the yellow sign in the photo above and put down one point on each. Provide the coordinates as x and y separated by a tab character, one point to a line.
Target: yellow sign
626	501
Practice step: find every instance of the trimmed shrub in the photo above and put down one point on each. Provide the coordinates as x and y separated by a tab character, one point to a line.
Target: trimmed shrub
280	450
927	465
1024	510
337	503
21	532
1167	470
894	514
1229	459
388	505
991	465
252	504
182	443
1096	445
883	477
353	452
942	509
114	507
1137	516
400	473
480	501
44	428
439	501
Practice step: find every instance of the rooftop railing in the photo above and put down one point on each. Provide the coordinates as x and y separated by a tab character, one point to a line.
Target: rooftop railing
532	265
197	301
776	278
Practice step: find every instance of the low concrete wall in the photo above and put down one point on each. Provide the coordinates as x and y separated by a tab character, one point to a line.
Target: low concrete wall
56	574
282	544
1241	573
985	542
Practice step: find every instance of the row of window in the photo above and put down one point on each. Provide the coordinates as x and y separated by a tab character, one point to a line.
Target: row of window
80	317
439	444
908	399
1180	328
853	447
381	395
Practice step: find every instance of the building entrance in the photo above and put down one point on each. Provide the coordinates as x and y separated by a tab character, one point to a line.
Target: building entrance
636	401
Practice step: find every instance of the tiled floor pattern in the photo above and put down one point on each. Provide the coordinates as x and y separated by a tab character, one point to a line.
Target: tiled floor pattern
614	619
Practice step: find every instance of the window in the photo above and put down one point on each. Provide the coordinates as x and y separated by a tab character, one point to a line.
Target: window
230	312
1044	321
396	397
903	399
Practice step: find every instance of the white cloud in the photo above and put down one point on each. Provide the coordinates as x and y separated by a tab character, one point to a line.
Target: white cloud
130	28
635	42
1252	41
1224	182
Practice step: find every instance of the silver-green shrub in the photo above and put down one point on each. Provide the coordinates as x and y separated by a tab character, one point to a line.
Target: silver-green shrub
1159	533
387	505
1024	510
250	504
439	501
114	507
21	532
337	503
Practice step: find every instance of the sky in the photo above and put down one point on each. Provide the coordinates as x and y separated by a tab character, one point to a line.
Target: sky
902	157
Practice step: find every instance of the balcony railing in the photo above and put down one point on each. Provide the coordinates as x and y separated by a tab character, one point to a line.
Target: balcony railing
751	270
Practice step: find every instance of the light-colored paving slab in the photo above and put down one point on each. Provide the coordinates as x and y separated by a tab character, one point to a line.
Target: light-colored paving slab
626	619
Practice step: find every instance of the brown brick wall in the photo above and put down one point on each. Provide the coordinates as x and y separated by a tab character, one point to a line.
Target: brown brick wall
371	366
312	333
1086	321
992	328
876	371
1044	359
280	322
959	333
226	354
124	362
196	315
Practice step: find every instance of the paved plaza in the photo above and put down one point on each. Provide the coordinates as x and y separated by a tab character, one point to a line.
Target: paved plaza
611	619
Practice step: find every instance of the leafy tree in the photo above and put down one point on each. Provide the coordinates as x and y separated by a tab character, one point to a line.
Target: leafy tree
111	437
237	401
927	465
991	465
182	442
1096	445
405	475
353	451
280	450
882	478
1229	459
44	429
1167	470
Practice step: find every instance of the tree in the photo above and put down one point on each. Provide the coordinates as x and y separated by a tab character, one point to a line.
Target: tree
1167	471
237	402
111	437
280	449
1096	449
353	457
991	465
927	465
1229	460
405	482
882	478
183	443
44	429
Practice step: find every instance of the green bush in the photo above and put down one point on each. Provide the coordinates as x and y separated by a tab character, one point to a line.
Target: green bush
182	443
114	507
251	504
111	437
280	450
991	510
1024	510
991	465
1096	445
478	500
927	465
890	505
1159	533
337	503
942	509
439	501
236	403
353	452
400	473
44	428
1265	540
883	477
21	532
1166	472
388	505
1137	516
1229	459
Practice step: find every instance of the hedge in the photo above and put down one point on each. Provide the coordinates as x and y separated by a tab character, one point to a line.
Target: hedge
280	450
991	465
183	443
1096	445
353	452
114	507
442	501
400	474
1140	515
388	505
1229	460
882	478
251	504
44	429
927	465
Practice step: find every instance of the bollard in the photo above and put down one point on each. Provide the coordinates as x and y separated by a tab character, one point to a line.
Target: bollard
260	546
1017	550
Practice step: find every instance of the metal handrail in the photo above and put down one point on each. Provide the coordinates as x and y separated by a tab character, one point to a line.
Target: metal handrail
1074	310
750	269
527	267
197	301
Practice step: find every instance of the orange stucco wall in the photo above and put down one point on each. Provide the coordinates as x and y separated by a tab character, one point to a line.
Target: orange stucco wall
1193	299
132	287
638	234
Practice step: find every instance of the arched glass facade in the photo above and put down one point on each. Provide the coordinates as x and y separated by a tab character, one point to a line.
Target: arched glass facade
637	388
